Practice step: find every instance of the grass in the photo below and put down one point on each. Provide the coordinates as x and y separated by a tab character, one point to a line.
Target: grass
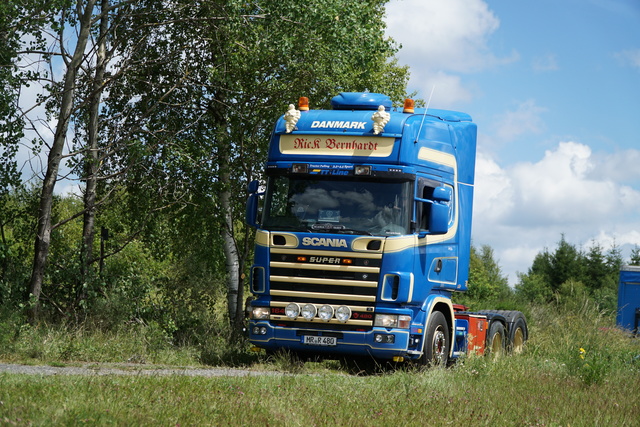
507	392
577	370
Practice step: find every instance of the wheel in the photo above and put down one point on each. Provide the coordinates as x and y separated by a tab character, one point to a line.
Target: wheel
517	332
435	348
495	340
517	336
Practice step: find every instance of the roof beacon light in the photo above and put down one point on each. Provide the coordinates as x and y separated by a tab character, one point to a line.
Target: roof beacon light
303	103
409	106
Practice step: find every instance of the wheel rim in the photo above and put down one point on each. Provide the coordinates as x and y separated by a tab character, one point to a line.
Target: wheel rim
518	341
496	345
439	346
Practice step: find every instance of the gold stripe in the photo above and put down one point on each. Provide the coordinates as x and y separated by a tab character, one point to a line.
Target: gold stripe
262	238
320	281
329	267
439	157
370	255
299	294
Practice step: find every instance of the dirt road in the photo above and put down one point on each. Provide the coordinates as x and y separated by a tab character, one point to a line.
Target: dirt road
129	369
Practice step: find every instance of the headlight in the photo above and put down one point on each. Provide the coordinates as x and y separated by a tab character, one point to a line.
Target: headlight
260	313
309	311
292	310
325	313
343	313
392	321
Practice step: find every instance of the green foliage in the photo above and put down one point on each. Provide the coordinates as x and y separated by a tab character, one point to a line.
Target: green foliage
555	275
486	281
560	387
635	256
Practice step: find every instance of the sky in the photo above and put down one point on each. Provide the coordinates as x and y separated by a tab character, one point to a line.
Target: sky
554	87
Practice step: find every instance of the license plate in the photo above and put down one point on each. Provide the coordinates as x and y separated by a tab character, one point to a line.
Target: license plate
325	341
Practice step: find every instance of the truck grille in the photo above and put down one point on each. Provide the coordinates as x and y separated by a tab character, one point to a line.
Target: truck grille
325	278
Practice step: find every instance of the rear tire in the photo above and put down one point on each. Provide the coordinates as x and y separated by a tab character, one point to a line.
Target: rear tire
496	340
517	336
435	348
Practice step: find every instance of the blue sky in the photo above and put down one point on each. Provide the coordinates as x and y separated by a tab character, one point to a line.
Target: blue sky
554	87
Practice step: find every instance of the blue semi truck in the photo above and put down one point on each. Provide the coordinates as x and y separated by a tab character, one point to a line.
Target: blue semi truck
364	233
628	317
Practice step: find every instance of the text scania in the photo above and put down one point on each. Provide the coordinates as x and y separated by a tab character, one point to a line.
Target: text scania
338	125
321	241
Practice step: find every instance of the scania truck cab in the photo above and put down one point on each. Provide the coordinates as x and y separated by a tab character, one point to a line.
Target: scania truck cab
363	233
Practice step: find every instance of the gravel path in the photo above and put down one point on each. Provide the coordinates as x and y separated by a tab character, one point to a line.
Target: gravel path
129	369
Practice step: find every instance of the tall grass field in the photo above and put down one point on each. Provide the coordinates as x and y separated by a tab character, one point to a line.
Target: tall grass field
577	370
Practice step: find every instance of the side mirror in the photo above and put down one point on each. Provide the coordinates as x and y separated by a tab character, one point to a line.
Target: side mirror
439	220
253	186
251	215
438	211
442	194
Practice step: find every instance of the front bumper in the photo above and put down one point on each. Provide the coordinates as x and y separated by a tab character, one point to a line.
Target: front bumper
357	343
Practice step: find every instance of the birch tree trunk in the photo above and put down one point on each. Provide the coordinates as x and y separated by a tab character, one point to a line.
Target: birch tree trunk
92	155
43	236
232	256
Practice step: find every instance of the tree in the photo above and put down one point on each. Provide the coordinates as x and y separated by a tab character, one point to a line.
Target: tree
570	273
635	255
11	124
71	35
84	14
235	66
170	105
486	280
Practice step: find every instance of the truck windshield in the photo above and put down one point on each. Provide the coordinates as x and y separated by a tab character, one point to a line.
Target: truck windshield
323	204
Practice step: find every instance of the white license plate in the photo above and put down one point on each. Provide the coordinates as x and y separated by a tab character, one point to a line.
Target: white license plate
313	340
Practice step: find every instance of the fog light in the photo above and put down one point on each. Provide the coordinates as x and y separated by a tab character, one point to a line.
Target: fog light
325	313
309	311
292	310
343	313
384	339
263	330
255	330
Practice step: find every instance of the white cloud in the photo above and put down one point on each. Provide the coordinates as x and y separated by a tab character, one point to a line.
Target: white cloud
450	35
493	191
558	190
630	57
441	38
620	166
545	63
523	208
447	89
523	120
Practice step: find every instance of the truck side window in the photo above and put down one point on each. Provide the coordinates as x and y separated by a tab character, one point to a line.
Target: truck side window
425	191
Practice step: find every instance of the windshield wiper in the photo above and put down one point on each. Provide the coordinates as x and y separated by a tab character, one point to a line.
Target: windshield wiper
353	231
288	228
341	229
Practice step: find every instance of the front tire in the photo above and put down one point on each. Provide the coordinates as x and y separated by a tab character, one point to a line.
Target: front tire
435	348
